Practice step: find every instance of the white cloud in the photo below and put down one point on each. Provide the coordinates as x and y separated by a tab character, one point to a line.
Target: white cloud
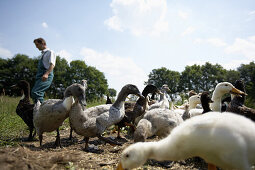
183	15
244	47
44	25
118	71
4	53
188	31
216	42
65	54
114	23
251	16
233	64
251	13
213	41
139	17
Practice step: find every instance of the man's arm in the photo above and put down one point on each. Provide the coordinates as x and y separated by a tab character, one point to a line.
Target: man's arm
46	74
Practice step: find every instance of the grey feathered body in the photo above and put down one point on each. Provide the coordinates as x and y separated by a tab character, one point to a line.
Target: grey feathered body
50	115
158	122
94	120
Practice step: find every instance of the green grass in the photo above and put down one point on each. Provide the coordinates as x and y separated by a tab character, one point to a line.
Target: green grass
12	127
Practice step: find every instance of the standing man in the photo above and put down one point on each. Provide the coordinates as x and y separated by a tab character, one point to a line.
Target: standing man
44	75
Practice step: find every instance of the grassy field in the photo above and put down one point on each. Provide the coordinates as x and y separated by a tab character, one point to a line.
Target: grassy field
12	127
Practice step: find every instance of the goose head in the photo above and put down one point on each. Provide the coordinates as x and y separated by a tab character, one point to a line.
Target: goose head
191	93
226	87
78	91
239	84
165	88
132	157
142	130
205	98
195	99
23	85
132	89
150	89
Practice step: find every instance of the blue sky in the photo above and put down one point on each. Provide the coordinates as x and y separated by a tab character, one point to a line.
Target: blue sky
127	39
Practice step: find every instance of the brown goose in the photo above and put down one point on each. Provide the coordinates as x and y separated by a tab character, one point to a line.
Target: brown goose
237	104
138	109
25	108
205	100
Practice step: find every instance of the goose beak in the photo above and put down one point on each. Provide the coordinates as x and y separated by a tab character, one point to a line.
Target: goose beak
119	167
159	92
168	90
210	101
236	91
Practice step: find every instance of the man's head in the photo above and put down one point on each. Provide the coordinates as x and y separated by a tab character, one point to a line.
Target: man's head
40	43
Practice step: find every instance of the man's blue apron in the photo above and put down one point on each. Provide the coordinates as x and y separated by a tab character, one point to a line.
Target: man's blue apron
40	86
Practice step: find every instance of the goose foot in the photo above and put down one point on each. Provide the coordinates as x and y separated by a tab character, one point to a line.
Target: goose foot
71	132
31	135
40	139
58	142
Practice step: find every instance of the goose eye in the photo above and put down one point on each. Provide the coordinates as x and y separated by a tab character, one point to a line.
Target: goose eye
226	84
127	155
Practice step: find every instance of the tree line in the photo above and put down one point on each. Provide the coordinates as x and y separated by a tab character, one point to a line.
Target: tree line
196	77
204	78
21	67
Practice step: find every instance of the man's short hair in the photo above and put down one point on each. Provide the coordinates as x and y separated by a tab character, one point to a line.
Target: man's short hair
40	41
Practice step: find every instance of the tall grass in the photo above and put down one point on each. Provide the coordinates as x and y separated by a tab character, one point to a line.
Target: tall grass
12	127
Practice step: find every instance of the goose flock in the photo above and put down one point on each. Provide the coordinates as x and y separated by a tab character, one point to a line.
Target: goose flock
198	128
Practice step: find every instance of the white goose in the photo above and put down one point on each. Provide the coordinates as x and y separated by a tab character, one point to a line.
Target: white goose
225	140
163	101
220	90
194	100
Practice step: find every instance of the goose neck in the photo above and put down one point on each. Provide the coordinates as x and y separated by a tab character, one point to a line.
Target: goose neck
162	150
192	105
26	93
119	103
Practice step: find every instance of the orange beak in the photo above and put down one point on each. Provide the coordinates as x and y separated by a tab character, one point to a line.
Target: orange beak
236	91
119	167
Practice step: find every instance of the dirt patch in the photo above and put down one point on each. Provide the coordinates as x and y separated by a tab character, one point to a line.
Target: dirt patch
72	156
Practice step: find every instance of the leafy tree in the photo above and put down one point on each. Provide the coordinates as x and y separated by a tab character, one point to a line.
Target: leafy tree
191	78
247	72
202	78
161	76
112	92
231	76
17	68
211	76
97	83
60	81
